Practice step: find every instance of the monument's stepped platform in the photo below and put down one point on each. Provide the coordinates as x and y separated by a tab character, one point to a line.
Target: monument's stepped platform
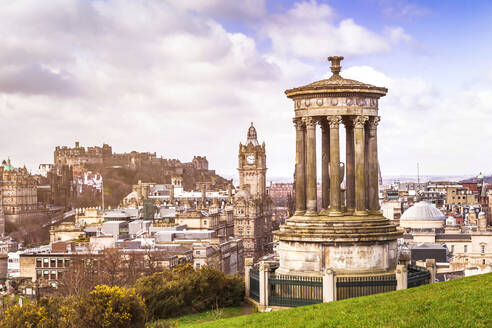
344	229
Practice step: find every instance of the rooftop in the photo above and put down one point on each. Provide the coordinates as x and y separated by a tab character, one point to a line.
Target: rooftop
423	211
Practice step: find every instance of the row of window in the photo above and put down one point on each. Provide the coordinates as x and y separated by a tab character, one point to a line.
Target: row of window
465	249
49	274
52	263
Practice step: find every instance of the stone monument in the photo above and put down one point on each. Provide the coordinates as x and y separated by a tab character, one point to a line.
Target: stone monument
348	235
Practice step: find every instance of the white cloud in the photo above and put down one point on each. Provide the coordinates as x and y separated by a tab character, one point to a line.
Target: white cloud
167	77
421	123
143	75
232	10
402	9
310	30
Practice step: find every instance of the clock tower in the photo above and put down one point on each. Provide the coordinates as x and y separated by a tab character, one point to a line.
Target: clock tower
253	208
252	165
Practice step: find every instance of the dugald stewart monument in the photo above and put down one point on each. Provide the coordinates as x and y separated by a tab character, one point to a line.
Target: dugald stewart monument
348	235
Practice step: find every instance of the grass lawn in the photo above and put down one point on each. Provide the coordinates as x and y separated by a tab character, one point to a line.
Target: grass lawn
465	302
191	320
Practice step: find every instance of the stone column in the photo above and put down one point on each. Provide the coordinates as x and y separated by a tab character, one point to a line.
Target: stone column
329	286
300	166
401	277
263	273
373	169
311	183
325	162
360	185
350	164
430	265
366	162
248	263
334	122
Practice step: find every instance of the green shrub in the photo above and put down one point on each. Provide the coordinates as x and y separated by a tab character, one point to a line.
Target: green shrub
106	306
185	290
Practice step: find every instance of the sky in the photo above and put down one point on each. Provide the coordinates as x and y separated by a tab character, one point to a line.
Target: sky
184	78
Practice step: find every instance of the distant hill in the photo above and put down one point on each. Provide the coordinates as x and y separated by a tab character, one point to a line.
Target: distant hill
487	179
465	302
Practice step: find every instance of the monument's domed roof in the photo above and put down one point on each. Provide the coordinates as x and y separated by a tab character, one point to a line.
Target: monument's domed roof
336	83
422	211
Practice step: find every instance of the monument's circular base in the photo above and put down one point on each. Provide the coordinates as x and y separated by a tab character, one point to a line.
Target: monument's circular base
344	244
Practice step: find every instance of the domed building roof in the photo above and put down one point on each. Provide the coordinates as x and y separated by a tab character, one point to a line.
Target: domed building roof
422	211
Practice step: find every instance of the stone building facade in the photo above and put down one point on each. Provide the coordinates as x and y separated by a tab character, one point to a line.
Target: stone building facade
253	208
18	190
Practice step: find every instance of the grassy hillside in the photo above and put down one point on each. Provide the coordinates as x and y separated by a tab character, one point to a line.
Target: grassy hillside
465	302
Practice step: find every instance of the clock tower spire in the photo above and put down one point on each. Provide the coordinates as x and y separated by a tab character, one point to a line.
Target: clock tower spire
252	165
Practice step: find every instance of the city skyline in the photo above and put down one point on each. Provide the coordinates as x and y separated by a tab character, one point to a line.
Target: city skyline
180	81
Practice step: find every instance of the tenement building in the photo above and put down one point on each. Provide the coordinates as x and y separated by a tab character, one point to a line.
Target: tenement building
348	235
252	206
18	190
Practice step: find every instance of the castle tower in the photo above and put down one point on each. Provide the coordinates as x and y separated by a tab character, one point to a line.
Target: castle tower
252	165
349	239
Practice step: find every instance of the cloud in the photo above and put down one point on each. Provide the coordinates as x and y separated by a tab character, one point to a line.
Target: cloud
402	9
167	76
37	79
142	75
230	10
421	123
310	30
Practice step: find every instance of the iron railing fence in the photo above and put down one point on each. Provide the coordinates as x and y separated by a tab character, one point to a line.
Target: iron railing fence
417	276
254	284
355	286
292	291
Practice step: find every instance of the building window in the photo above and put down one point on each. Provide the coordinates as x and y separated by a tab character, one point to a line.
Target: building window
52	263
39	263
45	263
197	252
452	248
482	249
53	275
465	249
60	263
45	274
197	265
205	222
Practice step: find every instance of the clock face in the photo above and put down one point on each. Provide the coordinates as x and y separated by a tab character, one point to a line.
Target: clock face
250	159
